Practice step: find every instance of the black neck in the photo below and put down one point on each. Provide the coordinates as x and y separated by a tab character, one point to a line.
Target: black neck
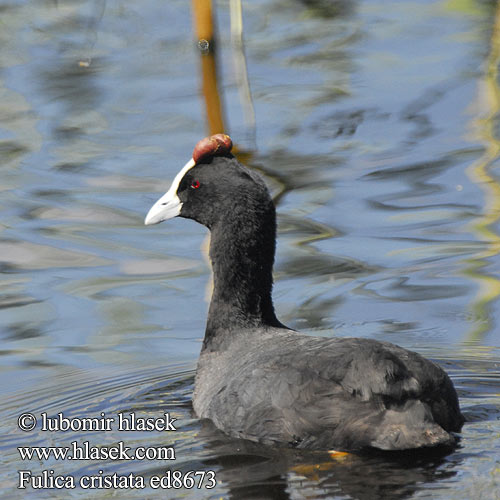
242	255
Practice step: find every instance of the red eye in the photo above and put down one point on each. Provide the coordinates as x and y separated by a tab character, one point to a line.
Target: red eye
195	184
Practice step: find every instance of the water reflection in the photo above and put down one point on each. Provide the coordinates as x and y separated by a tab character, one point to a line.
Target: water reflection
329	9
480	172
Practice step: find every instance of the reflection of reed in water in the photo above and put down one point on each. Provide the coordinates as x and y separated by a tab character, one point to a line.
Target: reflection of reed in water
240	68
204	25
484	125
205	32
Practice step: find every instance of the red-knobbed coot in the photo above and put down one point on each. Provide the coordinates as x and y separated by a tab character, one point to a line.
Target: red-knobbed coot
259	380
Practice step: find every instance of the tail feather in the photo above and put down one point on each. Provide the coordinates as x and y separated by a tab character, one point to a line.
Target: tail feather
410	426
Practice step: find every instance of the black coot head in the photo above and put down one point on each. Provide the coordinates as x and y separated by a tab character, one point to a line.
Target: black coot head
212	187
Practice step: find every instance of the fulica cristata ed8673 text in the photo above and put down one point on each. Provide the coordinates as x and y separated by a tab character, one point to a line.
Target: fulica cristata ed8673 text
257	379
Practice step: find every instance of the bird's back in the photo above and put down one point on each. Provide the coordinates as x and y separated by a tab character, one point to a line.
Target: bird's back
278	386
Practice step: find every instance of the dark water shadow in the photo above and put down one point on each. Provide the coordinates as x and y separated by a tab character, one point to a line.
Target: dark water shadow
254	471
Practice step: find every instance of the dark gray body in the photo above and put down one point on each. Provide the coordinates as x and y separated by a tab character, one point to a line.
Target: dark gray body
278	386
261	381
